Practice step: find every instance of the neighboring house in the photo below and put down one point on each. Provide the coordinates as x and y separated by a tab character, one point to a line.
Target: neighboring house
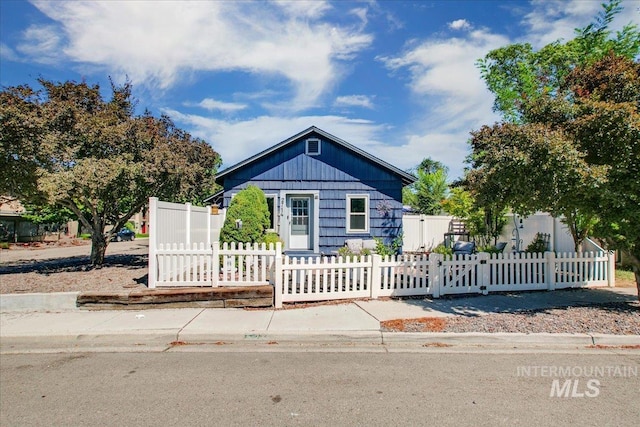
321	191
15	228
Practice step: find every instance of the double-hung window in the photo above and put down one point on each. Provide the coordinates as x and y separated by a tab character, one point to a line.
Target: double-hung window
357	213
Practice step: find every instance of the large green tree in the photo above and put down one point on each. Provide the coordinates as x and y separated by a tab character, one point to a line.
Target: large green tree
569	140
67	146
426	195
518	74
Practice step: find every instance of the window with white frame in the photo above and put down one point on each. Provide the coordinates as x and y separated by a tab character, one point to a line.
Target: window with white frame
357	213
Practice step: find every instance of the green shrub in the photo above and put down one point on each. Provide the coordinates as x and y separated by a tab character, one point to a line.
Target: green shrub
4	245
142	235
489	249
538	245
272	238
442	250
391	249
344	252
85	236
249	206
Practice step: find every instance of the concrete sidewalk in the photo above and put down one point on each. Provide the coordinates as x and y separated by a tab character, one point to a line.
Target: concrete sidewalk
355	323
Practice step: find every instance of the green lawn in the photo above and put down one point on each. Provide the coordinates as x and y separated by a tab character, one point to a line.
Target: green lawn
625	278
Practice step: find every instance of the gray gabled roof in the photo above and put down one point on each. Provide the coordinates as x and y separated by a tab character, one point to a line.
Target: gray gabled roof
406	177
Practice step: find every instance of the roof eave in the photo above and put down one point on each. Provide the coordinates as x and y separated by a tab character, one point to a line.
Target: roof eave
406	177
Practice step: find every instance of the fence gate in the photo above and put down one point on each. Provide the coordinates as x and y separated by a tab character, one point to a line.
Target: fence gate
462	274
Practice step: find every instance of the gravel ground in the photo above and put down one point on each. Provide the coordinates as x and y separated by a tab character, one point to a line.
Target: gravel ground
65	268
612	318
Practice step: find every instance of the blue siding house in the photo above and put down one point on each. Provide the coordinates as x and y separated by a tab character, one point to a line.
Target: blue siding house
321	191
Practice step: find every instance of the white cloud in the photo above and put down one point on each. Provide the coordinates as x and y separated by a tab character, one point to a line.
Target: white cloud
213	105
362	14
363	101
301	8
159	43
460	24
41	44
7	53
445	80
239	140
551	20
446	147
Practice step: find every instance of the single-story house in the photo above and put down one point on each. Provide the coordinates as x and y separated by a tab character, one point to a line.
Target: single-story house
321	191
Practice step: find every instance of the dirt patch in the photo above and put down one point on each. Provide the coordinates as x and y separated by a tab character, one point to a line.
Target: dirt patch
423	324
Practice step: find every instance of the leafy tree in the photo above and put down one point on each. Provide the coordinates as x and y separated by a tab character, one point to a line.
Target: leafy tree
65	145
48	215
247	217
21	130
485	224
570	143
607	129
530	168
426	194
517	74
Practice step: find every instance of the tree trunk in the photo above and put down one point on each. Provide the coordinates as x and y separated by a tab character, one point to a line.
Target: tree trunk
635	266
98	249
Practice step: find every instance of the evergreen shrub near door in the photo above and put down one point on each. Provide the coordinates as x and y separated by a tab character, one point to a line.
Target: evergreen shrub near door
249	206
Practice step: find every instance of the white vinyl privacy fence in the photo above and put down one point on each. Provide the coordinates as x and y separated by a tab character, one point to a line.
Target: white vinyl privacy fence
422	233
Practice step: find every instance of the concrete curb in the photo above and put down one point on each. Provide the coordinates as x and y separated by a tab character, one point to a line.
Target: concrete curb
265	337
616	340
143	341
38	301
477	338
163	340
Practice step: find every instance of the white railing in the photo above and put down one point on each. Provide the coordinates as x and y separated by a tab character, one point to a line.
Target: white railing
329	278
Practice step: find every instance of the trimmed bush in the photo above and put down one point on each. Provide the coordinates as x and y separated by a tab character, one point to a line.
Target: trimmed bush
250	207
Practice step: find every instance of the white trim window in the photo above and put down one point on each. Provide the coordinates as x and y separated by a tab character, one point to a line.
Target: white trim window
357	213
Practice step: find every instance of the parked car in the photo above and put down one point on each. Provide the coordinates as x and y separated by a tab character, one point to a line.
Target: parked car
124	234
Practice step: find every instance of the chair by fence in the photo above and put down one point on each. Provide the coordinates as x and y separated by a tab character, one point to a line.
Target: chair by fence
456	228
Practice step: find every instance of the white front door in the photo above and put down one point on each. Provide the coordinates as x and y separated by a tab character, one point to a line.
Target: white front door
299	222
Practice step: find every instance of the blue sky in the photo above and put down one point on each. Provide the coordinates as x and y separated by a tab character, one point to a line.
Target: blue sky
395	78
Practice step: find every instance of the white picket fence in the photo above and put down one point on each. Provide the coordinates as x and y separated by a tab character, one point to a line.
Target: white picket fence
229	265
373	276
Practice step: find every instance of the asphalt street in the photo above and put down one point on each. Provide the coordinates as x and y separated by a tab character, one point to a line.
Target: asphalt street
185	388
